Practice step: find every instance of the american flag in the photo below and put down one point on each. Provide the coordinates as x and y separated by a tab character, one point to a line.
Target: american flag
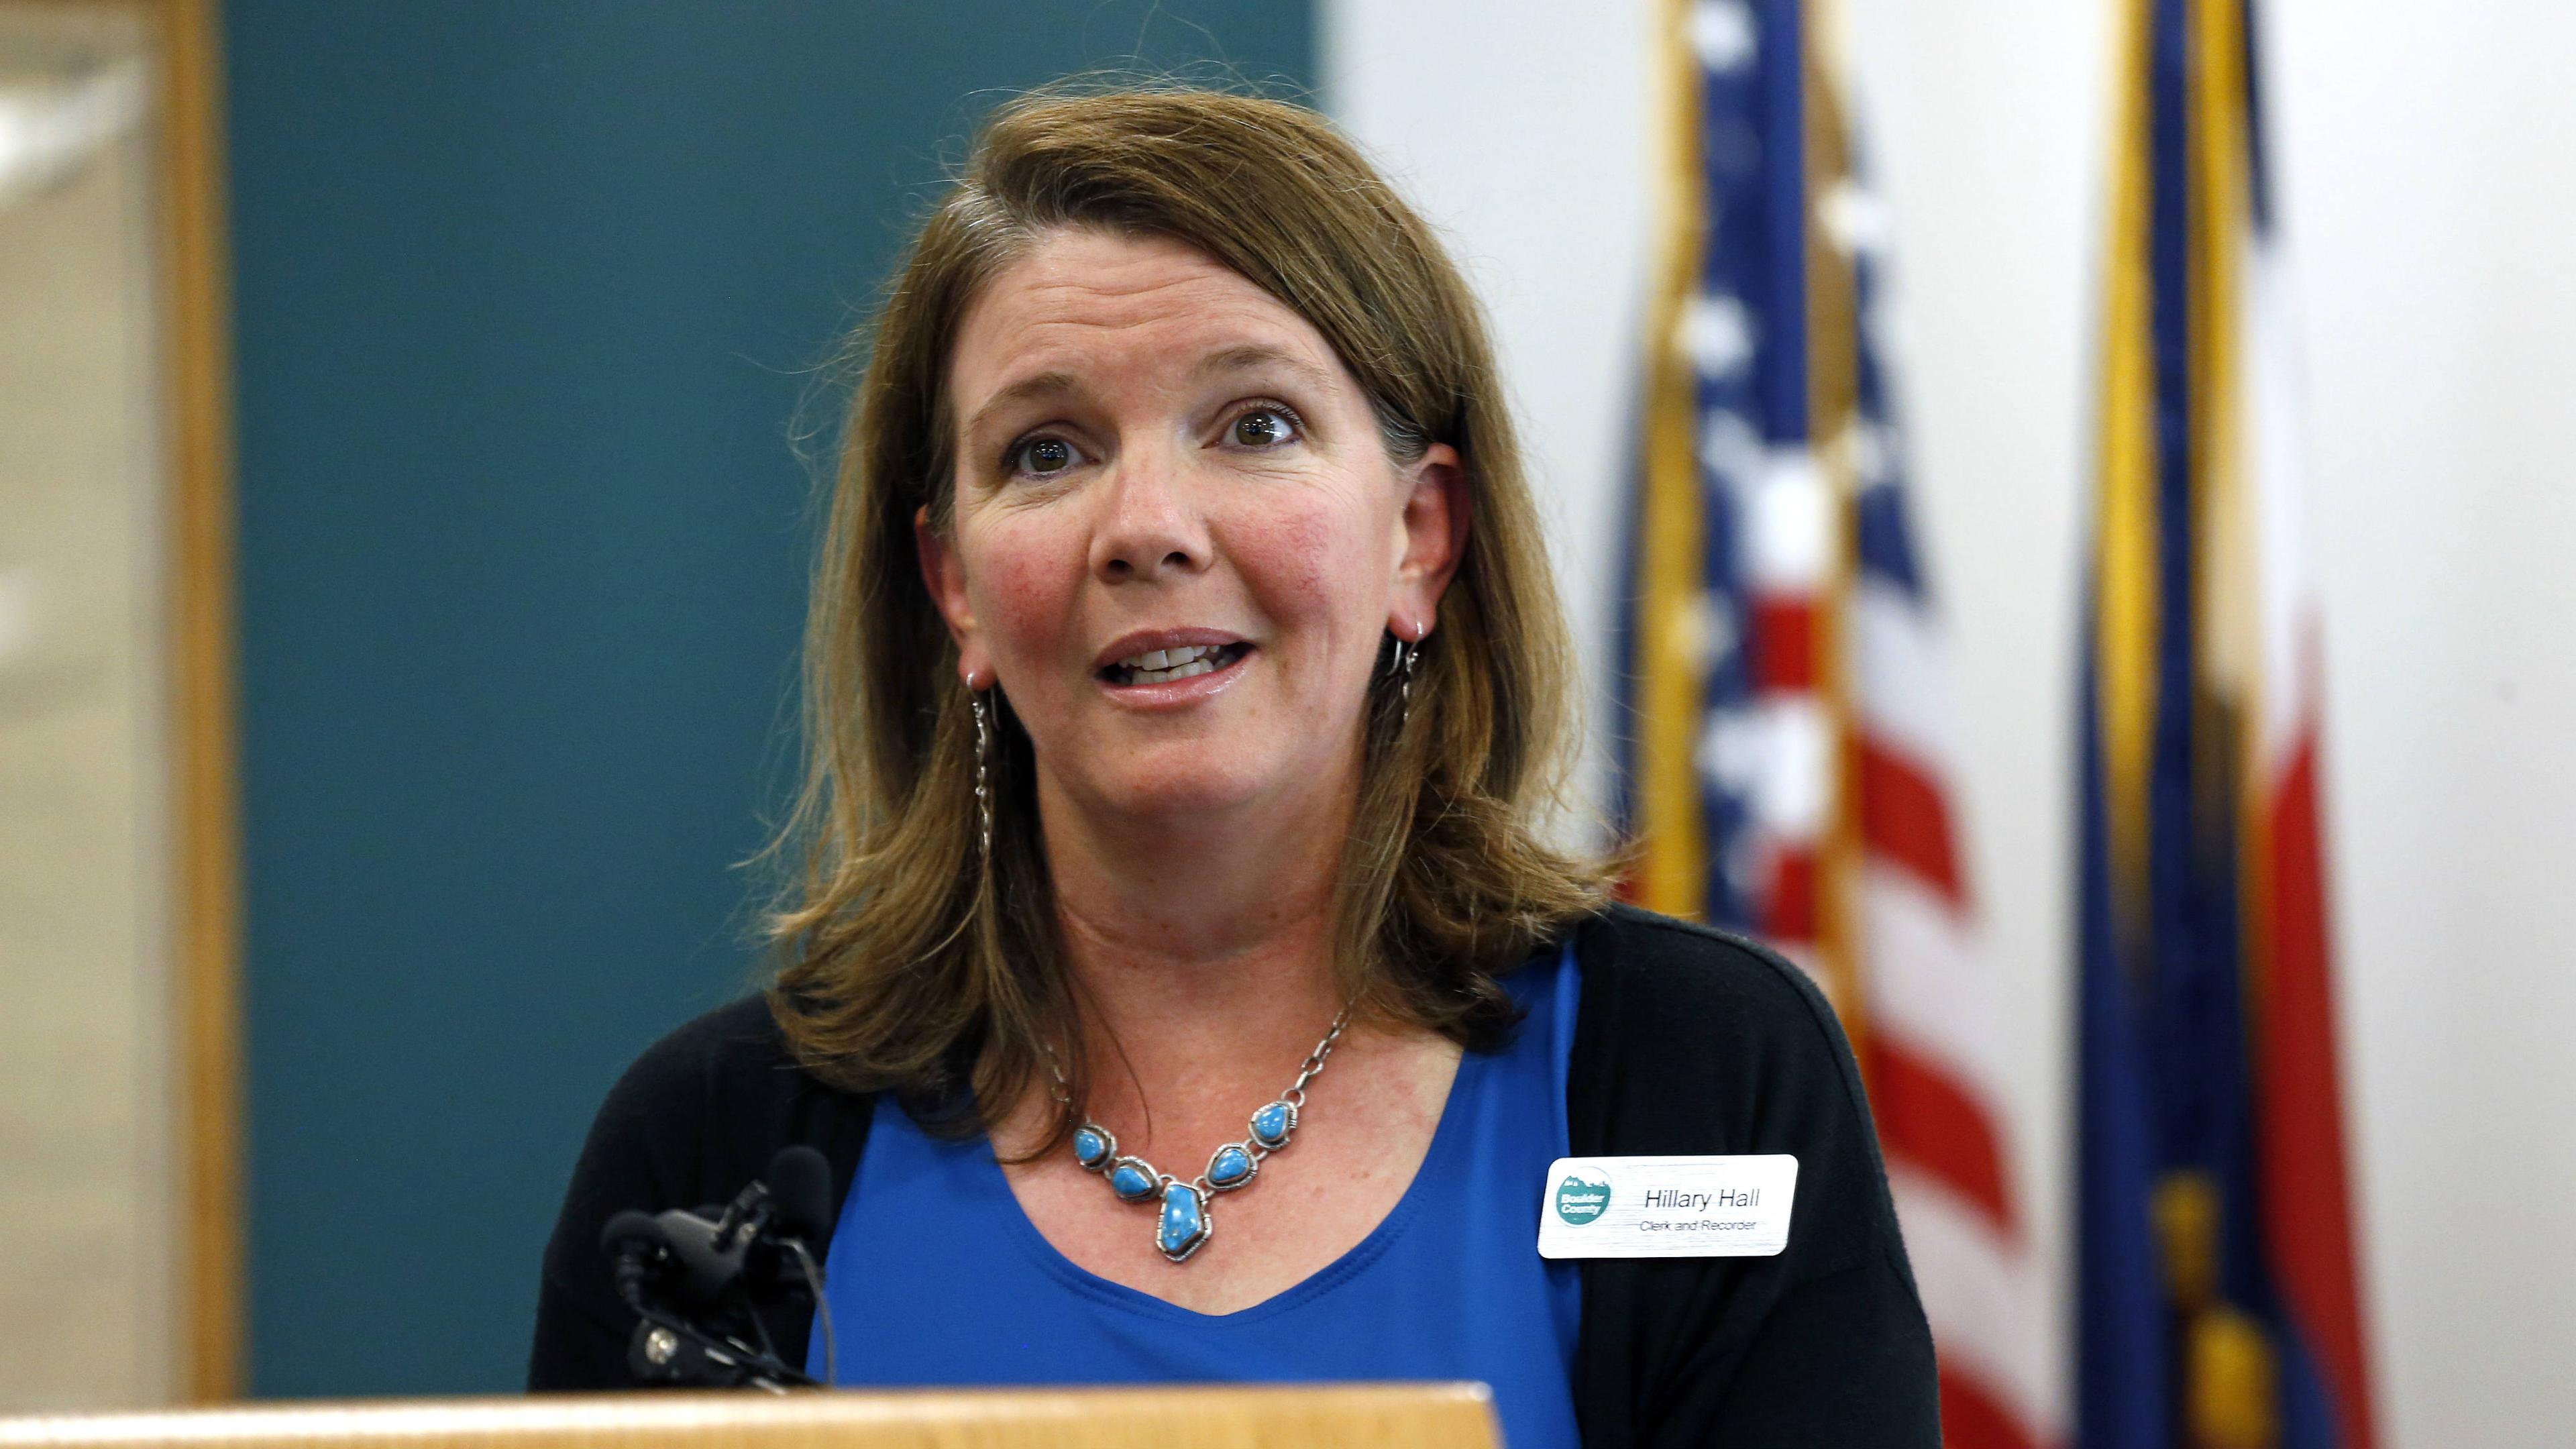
1783	769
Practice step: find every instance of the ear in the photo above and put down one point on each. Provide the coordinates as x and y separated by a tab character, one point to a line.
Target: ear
1434	540
944	574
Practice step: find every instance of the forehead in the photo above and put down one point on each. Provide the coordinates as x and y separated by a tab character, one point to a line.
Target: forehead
1084	300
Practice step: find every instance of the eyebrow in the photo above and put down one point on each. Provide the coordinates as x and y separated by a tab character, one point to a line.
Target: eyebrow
1250	356
1043	384
1243	357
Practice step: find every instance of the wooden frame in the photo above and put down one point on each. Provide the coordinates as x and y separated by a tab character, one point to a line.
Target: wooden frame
1347	1416
204	752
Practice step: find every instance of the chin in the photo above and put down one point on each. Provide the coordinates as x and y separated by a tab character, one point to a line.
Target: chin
1178	793
1197	775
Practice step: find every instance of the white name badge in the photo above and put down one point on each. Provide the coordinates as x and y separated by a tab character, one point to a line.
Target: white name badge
1667	1207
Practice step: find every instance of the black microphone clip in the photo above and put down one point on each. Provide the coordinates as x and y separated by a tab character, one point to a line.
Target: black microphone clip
695	1280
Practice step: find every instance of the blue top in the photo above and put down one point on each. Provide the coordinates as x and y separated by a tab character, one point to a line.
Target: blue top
937	1277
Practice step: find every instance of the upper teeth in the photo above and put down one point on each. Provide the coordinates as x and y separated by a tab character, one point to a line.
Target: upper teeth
1170	658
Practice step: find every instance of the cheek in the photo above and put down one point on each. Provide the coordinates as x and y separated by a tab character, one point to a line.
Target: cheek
1322	559
1022	586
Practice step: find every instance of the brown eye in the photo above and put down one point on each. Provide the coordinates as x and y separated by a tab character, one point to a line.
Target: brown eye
1043	456
1262	428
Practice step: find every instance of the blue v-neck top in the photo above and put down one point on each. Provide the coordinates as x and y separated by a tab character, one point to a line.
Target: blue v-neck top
936	1277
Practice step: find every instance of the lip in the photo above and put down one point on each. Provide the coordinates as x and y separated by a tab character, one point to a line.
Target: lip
1178	693
1144	639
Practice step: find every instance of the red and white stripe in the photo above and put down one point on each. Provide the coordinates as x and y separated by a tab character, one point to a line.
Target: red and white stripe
1928	1034
1932	1043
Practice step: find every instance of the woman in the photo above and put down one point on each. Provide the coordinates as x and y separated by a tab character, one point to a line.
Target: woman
1185	682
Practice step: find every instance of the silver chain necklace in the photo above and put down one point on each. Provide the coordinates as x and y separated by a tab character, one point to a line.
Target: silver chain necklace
1186	1222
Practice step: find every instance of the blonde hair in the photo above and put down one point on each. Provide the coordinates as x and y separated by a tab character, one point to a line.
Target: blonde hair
908	965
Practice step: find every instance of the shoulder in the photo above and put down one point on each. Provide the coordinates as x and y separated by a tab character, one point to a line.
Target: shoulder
1692	1041
1652	981
701	1112
733	1049
1683	960
699	1115
1695	1042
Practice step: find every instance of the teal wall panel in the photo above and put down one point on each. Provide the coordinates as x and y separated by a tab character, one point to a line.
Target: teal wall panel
527	295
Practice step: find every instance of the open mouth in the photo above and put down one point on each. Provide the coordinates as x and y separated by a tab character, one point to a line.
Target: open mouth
1168	666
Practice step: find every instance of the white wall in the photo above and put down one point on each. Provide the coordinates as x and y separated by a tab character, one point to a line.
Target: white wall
2428	158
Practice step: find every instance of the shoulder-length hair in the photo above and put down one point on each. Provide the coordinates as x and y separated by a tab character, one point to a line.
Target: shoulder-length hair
911	965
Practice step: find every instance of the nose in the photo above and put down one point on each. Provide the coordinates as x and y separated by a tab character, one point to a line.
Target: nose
1148	530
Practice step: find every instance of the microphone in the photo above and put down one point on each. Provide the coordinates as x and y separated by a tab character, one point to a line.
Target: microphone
692	1278
702	1261
630	1234
800	1185
635	1240
801	1189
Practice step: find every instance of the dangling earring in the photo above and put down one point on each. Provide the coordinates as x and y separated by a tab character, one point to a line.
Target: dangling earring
1401	667
983	789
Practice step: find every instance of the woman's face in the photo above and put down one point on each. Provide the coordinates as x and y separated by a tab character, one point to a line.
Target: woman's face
1177	538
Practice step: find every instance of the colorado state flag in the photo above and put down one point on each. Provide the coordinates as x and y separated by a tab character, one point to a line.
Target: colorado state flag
2218	1305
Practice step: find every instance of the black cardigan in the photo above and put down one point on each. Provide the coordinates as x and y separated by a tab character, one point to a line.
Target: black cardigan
1688	1041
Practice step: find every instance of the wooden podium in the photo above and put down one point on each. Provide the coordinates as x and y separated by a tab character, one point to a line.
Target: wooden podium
1342	1416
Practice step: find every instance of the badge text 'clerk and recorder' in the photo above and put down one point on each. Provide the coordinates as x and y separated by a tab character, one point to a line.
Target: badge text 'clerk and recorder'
1667	1207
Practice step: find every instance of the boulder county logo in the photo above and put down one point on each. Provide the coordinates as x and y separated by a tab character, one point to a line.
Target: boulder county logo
1580	1199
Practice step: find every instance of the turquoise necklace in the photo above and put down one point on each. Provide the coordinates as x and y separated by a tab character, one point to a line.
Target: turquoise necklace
1186	1222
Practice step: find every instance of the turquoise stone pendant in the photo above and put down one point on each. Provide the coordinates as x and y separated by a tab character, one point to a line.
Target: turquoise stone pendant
1185	1225
1133	1179
1272	1124
1231	1167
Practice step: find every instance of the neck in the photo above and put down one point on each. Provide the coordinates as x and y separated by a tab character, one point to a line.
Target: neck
1201	948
